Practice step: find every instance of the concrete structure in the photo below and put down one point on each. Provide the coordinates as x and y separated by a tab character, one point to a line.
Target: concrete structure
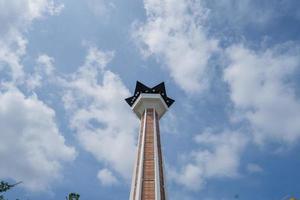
149	104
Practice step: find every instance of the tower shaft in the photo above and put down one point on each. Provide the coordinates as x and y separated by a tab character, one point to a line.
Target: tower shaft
149	105
148	178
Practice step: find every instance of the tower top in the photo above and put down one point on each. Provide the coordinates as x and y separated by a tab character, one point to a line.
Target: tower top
146	97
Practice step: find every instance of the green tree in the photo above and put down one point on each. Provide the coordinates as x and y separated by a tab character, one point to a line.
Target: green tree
5	186
72	196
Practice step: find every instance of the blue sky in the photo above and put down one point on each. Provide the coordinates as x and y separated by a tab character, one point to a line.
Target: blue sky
232	67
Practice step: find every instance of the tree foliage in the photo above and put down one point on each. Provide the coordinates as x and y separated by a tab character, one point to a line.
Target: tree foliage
73	196
4	187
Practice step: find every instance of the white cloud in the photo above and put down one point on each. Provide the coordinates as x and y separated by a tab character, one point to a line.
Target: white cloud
101	8
254	168
262	92
106	177
191	176
169	123
45	64
243	12
16	16
175	34
32	149
43	70
10	52
104	124
55	8
218	157
258	13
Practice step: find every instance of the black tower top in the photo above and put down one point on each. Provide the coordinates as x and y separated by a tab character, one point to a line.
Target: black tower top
158	89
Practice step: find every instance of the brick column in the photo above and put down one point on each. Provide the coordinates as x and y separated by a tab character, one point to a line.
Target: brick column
148	182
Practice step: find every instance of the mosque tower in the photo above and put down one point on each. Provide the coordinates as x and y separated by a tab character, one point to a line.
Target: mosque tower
148	180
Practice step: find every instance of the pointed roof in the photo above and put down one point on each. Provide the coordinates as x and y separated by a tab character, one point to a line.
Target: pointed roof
158	89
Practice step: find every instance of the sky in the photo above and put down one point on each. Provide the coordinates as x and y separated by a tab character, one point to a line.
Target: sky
232	67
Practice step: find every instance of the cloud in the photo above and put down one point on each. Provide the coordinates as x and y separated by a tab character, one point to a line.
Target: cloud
259	13
261	88
101	8
43	70
32	149
104	124
55	8
260	82
254	168
174	32
169	123
106	177
16	16
241	13
217	157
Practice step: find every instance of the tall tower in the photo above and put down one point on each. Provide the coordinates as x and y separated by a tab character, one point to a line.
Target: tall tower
149	104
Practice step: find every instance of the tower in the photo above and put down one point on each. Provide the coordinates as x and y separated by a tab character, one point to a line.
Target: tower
148	180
